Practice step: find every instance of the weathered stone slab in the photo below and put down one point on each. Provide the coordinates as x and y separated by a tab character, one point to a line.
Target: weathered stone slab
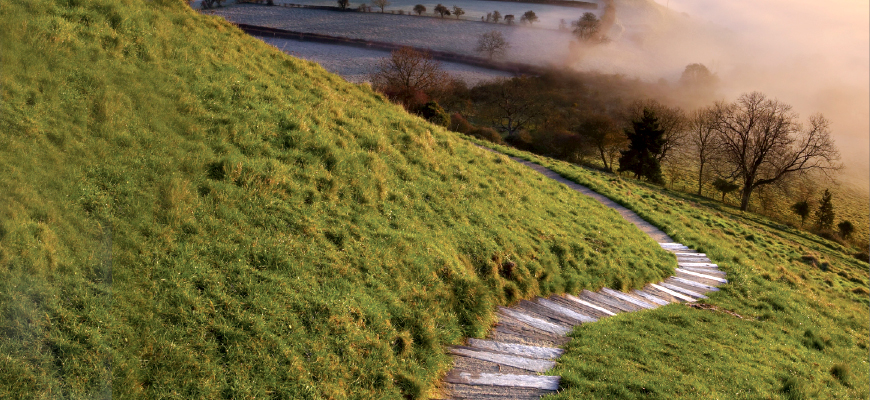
524	381
544	353
590	305
651	297
684	291
565	310
529	364
702	275
671	292
535	322
625	297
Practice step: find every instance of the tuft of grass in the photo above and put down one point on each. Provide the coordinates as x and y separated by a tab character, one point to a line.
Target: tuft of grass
792	389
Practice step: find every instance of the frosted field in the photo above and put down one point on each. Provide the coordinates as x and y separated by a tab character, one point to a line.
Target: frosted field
548	15
528	45
355	64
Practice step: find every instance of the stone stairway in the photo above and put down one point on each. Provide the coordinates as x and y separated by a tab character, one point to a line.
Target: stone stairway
525	342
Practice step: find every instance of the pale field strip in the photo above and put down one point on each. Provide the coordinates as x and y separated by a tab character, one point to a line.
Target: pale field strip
356	64
528	45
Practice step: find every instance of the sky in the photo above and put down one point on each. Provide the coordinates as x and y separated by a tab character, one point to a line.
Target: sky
810	54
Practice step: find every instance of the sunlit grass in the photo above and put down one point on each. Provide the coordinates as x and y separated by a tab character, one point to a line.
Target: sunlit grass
185	212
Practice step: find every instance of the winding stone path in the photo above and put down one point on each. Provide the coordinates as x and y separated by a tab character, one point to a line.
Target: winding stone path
524	343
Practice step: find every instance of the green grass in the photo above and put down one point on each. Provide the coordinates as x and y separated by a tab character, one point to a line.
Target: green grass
803	302
186	212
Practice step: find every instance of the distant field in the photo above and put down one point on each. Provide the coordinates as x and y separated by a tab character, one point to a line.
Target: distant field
355	64
549	15
529	45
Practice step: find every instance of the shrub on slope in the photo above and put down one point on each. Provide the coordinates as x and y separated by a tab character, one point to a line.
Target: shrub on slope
186	212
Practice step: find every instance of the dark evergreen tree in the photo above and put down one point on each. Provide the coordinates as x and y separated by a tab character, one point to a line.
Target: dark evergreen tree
646	138
825	213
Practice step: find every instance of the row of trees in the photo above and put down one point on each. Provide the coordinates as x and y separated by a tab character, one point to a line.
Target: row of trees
751	145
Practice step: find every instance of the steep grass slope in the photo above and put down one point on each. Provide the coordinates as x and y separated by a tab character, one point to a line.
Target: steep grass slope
791	323
186	212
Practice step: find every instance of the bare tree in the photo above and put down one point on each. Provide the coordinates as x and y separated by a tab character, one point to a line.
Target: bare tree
511	105
602	134
440	9
493	44
458	12
381	4
408	76
419	9
763	142
702	137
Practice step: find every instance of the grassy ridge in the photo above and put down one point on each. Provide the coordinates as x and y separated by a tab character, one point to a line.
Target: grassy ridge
186	212
801	326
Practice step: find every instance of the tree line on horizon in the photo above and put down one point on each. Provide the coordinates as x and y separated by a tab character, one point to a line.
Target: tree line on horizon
753	146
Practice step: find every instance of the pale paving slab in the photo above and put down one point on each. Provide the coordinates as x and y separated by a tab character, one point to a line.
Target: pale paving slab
702	275
627	298
526	363
535	322
588	304
564	310
544	353
524	381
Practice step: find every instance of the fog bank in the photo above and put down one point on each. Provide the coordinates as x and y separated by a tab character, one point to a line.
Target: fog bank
812	55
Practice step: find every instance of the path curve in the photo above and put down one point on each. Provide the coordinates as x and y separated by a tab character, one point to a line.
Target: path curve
525	342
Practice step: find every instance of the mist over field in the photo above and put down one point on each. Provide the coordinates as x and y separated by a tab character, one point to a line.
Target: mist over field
812	55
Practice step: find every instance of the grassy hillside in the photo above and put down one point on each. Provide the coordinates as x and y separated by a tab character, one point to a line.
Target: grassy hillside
186	212
792	323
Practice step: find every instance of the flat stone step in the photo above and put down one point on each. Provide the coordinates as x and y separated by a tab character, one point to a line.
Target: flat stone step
544	353
536	310
565	302
693	259
511	380
684	291
697	264
478	392
651	297
505	334
528	364
690	254
463	363
530	334
565	310
535	322
694	284
590	305
669	292
698	279
628	298
610	301
702	275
